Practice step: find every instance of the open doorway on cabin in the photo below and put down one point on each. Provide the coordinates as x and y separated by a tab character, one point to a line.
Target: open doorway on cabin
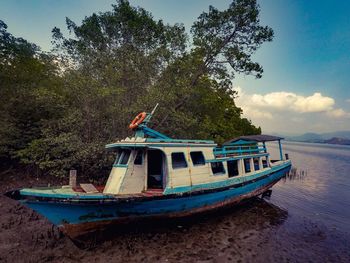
155	169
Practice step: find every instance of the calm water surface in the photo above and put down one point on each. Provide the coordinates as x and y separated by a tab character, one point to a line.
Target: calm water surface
323	193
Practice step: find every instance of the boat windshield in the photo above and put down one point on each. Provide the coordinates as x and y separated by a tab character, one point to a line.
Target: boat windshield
123	156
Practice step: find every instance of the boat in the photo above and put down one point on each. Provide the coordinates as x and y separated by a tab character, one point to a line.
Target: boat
156	177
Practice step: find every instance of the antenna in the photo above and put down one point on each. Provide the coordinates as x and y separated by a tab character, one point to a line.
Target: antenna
143	130
149	115
154	109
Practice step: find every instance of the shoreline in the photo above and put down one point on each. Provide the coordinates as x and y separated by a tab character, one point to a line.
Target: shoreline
255	231
318	143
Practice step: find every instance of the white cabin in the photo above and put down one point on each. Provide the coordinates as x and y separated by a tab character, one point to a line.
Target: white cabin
169	166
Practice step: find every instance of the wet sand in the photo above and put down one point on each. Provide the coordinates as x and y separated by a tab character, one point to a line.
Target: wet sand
255	231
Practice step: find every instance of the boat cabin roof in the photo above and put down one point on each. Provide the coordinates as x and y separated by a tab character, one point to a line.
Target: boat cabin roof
147	137
253	138
137	142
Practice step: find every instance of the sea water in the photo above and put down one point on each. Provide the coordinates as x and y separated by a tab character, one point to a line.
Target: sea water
320	191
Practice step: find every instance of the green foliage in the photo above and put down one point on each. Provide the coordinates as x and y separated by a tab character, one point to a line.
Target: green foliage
60	109
28	94
231	37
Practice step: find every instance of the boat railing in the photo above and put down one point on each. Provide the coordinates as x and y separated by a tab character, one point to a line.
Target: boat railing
236	157
227	151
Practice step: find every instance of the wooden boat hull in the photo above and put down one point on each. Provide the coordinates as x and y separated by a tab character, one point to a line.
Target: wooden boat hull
76	218
77	230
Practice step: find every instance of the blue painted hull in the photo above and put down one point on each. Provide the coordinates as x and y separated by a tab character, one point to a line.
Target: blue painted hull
78	217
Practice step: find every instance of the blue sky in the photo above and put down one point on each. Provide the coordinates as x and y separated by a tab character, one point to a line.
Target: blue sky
306	82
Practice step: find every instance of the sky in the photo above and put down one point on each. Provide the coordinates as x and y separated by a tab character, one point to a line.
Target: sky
306	82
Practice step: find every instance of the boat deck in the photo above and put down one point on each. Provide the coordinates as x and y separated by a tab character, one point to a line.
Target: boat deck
79	193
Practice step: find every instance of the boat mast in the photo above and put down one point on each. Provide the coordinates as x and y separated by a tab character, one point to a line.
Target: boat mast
143	130
150	115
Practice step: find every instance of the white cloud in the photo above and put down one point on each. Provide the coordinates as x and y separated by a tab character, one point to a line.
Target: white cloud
291	111
254	113
338	113
277	100
290	101
314	103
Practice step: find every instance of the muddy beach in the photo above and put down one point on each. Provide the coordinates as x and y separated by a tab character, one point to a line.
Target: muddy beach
256	231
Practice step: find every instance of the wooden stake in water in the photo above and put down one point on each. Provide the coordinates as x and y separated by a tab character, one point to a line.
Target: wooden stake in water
73	178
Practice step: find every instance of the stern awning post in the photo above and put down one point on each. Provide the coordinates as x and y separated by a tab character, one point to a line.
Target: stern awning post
280	146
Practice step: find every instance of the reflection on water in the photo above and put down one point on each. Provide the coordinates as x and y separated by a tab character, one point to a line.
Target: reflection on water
295	174
321	187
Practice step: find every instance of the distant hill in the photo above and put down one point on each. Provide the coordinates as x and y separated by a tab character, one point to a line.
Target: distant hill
338	137
337	134
336	140
307	137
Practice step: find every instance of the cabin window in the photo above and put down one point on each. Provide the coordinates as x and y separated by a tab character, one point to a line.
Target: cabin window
197	158
178	160
247	165
232	167
264	162
256	164
124	157
119	153
139	158
217	168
